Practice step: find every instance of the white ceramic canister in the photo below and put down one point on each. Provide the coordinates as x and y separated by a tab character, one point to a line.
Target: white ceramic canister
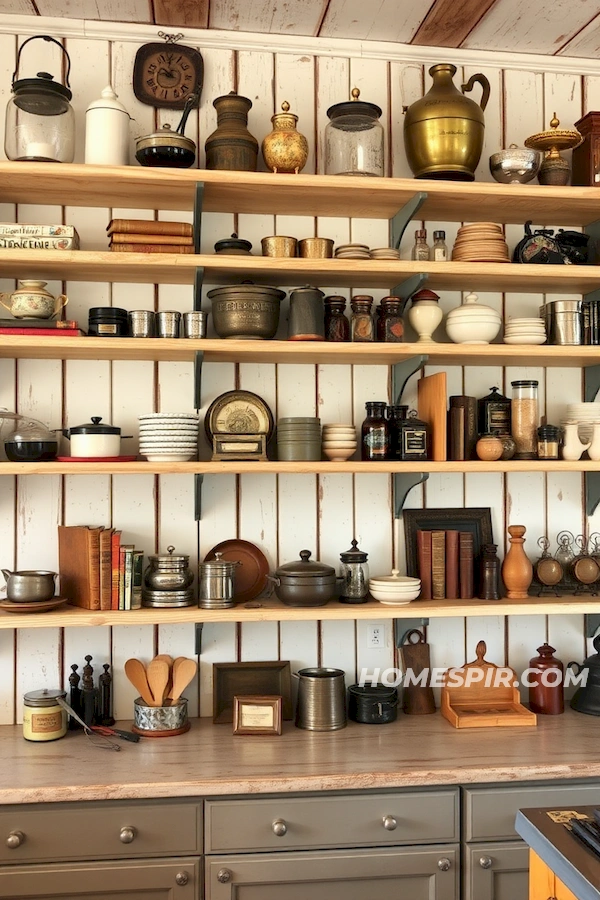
107	138
43	717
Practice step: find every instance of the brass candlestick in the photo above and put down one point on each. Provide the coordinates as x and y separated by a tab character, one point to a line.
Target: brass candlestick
555	169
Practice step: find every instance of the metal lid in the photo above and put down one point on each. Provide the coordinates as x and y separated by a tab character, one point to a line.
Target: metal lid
354	555
373	691
525	383
495	396
354	107
45	697
218	564
94	427
108	312
305	567
42	96
230	291
233	243
321	672
168	557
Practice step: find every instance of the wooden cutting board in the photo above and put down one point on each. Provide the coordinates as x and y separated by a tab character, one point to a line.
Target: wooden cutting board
432	396
417	699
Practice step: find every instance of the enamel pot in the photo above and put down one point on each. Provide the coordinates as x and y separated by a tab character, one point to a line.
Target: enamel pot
305	583
94	439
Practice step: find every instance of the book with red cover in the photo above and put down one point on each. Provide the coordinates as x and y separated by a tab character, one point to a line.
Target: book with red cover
59	332
452	566
149	226
438	565
424	562
465	548
152	248
115	544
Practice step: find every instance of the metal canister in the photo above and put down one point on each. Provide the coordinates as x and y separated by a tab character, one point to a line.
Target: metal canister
217	583
564	321
321	699
168	571
43	717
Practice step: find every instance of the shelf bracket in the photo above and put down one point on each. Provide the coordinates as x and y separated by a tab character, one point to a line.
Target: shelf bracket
402	371
198	282
410	286
198	360
591	379
198	638
591	623
198	479
404	482
399	222
592	491
403	626
197	226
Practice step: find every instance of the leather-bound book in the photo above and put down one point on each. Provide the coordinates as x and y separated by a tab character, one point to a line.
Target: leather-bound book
469	405
118	237
452	566
466	563
456	432
149	226
105	568
114	554
152	248
79	565
438	565
424	562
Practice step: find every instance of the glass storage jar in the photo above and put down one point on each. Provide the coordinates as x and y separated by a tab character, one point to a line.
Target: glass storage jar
362	328
337	325
525	418
44	719
548	441
396	414
354	572
375	433
421	250
390	322
354	138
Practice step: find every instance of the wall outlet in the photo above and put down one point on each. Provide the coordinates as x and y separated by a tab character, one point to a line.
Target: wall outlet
376	636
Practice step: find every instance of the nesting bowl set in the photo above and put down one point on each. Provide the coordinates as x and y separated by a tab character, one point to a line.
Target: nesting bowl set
394	589
525	331
339	442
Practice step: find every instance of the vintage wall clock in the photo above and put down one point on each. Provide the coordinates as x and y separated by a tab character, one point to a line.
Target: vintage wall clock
165	74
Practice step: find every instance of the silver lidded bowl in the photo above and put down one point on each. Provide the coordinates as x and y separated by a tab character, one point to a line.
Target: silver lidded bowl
516	165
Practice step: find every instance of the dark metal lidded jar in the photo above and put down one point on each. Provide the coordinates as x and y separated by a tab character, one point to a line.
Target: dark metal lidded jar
493	413
372	704
306	316
355	575
108	321
231	146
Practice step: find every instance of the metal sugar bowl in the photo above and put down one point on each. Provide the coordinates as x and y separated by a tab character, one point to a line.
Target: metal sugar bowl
168	580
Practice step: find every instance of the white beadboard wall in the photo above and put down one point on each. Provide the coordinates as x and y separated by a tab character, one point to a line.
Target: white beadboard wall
282	514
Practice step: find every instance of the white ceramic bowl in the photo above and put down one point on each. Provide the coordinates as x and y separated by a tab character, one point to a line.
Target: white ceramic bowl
155	456
481	332
524	339
393	599
338	455
340	445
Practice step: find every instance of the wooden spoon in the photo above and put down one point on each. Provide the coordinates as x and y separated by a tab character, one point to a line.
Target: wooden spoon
157	673
176	663
182	676
169	661
136	673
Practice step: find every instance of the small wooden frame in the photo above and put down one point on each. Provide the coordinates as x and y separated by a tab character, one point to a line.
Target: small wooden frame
472	696
257	715
239	446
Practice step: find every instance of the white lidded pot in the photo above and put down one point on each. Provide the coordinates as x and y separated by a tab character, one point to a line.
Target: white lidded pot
94	439
107	138
472	322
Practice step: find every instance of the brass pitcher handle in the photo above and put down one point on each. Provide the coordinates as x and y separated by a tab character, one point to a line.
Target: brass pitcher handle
482	80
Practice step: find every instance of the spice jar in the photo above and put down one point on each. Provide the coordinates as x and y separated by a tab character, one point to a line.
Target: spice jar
354	138
375	433
489	447
390	323
548	439
355	575
493	413
361	322
412	439
439	251
546	695
44	719
524	417
337	325
420	250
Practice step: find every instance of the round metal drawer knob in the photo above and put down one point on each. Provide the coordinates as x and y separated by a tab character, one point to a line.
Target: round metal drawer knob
279	827
182	878
389	823
444	864
15	839
127	834
485	862
223	875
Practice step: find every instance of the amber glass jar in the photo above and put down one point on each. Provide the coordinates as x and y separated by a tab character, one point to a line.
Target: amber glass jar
361	323
375	433
390	324
337	325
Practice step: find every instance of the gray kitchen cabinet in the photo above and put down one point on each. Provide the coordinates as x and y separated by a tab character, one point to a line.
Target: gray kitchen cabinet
411	873
496	871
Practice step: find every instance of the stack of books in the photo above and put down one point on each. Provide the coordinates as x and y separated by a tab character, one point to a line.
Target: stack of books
143	236
96	570
66	328
38	237
446	565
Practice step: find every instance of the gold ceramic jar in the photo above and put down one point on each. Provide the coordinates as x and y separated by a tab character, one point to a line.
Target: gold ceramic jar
43	717
284	149
489	447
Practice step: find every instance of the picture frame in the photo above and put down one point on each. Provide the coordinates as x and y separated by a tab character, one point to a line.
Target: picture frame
257	715
476	520
250	679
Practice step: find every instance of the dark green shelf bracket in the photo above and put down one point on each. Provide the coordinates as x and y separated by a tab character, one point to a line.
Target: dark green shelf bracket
404	482
198	479
197	226
399	222
198	638
592	491
591	379
592	624
198	282
403	626
402	371
409	286
198	360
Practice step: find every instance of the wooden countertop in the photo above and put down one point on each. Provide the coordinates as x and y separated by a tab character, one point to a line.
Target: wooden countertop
210	760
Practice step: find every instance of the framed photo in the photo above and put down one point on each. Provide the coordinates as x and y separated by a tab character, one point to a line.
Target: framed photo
257	715
250	679
476	520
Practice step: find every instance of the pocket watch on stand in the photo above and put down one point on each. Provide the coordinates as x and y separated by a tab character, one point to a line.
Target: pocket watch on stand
164	75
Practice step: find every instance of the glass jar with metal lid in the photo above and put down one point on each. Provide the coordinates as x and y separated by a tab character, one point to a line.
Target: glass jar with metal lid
525	418
355	575
217	583
44	719
168	571
354	138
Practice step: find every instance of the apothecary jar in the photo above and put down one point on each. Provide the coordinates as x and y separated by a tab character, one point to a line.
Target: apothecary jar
354	138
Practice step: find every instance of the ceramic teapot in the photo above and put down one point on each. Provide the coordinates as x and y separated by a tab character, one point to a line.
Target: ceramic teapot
32	301
586	698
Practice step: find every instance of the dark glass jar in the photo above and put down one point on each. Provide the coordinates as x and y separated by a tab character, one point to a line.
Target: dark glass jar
396	414
337	325
108	321
493	413
390	323
489	582
548	441
361	324
413	440
375	433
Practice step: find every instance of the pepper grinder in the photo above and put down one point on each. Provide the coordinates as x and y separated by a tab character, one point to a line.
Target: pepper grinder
105	697
88	694
74	697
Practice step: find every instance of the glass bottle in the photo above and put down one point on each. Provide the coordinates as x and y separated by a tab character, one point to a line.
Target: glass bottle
396	415
390	323
337	325
489	587
375	433
355	574
525	418
361	323
420	250
546	695
493	413
354	138
439	251
548	439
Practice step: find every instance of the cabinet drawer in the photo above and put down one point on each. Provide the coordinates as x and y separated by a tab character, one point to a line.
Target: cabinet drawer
490	812
99	831
284	823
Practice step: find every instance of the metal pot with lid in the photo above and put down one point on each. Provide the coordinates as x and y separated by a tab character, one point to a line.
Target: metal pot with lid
305	582
217	582
94	439
586	698
168	571
28	440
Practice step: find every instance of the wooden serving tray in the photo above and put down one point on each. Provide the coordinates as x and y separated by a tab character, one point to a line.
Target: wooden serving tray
473	698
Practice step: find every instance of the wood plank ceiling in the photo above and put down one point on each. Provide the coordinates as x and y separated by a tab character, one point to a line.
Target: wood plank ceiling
558	27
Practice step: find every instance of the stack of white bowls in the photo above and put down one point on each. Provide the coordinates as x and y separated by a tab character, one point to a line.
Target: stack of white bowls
168	437
585	414
339	442
525	331
394	589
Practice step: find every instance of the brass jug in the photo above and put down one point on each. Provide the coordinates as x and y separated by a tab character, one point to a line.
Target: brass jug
443	131
231	146
284	149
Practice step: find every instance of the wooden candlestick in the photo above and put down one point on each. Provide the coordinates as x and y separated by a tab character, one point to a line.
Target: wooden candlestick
517	571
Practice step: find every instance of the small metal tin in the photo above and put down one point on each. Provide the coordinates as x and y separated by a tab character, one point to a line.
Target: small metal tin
160	720
108	321
43	717
142	323
167	323
194	324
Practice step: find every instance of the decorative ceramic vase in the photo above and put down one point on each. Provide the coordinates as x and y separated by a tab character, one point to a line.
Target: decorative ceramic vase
546	695
425	314
517	571
231	146
285	149
472	322
32	301
573	447
489	447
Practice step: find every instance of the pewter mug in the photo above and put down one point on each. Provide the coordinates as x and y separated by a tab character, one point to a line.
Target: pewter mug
321	699
29	585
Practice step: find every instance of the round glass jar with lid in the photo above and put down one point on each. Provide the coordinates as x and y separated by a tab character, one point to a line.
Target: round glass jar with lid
525	418
354	138
354	572
44	719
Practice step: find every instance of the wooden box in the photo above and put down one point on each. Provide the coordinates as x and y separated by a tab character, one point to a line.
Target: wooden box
586	157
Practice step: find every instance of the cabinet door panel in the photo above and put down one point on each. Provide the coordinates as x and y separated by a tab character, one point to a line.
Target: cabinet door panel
148	880
506	878
359	875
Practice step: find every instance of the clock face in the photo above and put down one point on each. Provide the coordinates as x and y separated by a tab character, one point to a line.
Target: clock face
238	412
165	74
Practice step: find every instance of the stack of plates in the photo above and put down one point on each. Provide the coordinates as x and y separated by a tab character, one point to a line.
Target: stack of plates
385	253
352	251
394	589
480	242
585	414
168	599
339	442
299	438
525	331
168	437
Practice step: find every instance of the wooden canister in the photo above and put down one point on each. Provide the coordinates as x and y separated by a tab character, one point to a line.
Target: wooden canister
546	694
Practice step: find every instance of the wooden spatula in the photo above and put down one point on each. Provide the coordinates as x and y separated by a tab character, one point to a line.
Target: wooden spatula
176	663
136	673
169	661
157	673
182	675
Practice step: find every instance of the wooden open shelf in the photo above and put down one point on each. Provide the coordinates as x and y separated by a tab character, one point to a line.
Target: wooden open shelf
312	195
272	610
